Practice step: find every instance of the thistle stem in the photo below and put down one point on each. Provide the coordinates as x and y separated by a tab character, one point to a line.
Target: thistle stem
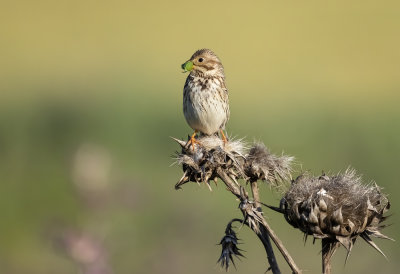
329	248
256	195
265	230
263	235
326	262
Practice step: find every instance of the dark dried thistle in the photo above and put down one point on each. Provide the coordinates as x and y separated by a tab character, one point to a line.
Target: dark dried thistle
229	248
336	209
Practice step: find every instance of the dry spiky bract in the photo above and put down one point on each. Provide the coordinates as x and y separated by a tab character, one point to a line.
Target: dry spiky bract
336	208
229	245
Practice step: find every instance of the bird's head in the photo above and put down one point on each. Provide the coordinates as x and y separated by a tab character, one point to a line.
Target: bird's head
204	62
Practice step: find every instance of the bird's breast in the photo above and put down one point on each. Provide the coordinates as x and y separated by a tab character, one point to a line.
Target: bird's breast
205	105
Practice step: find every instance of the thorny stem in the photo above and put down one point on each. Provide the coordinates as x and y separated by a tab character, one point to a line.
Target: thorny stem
263	235
235	190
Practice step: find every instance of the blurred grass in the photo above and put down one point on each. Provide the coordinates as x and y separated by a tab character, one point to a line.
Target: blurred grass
317	80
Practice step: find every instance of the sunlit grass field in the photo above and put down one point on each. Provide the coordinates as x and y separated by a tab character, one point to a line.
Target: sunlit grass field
319	81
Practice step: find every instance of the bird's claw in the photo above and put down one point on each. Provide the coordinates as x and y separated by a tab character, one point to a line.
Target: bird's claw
192	141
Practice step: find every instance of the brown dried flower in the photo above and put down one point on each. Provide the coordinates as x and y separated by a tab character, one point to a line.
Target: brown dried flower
339	208
200	162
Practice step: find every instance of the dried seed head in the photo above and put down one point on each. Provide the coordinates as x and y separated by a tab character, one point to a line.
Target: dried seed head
263	165
201	160
336	207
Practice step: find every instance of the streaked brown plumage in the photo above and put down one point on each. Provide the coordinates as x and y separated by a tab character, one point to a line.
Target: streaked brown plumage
205	96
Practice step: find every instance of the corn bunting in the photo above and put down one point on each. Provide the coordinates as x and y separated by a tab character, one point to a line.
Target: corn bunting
205	96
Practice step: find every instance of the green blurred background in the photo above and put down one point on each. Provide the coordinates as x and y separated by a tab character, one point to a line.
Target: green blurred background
92	90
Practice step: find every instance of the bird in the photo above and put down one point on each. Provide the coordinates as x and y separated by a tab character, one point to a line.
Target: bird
205	96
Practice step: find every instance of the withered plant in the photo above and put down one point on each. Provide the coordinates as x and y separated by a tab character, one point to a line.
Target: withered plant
210	158
336	209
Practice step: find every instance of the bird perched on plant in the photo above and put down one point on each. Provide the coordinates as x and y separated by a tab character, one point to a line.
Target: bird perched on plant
205	96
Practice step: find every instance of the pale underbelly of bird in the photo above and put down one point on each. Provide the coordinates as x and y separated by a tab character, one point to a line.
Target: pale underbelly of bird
205	111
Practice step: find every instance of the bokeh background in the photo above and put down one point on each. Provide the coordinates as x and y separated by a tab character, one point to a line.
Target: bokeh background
92	90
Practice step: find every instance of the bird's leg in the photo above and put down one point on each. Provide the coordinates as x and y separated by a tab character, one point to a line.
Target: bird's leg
193	140
224	139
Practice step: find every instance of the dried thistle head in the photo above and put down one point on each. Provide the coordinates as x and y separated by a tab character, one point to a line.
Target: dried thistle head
201	161
338	207
261	164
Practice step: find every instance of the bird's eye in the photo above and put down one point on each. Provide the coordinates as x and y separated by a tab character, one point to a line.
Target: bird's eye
201	60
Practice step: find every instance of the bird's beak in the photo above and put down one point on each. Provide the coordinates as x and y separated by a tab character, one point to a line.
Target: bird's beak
187	66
